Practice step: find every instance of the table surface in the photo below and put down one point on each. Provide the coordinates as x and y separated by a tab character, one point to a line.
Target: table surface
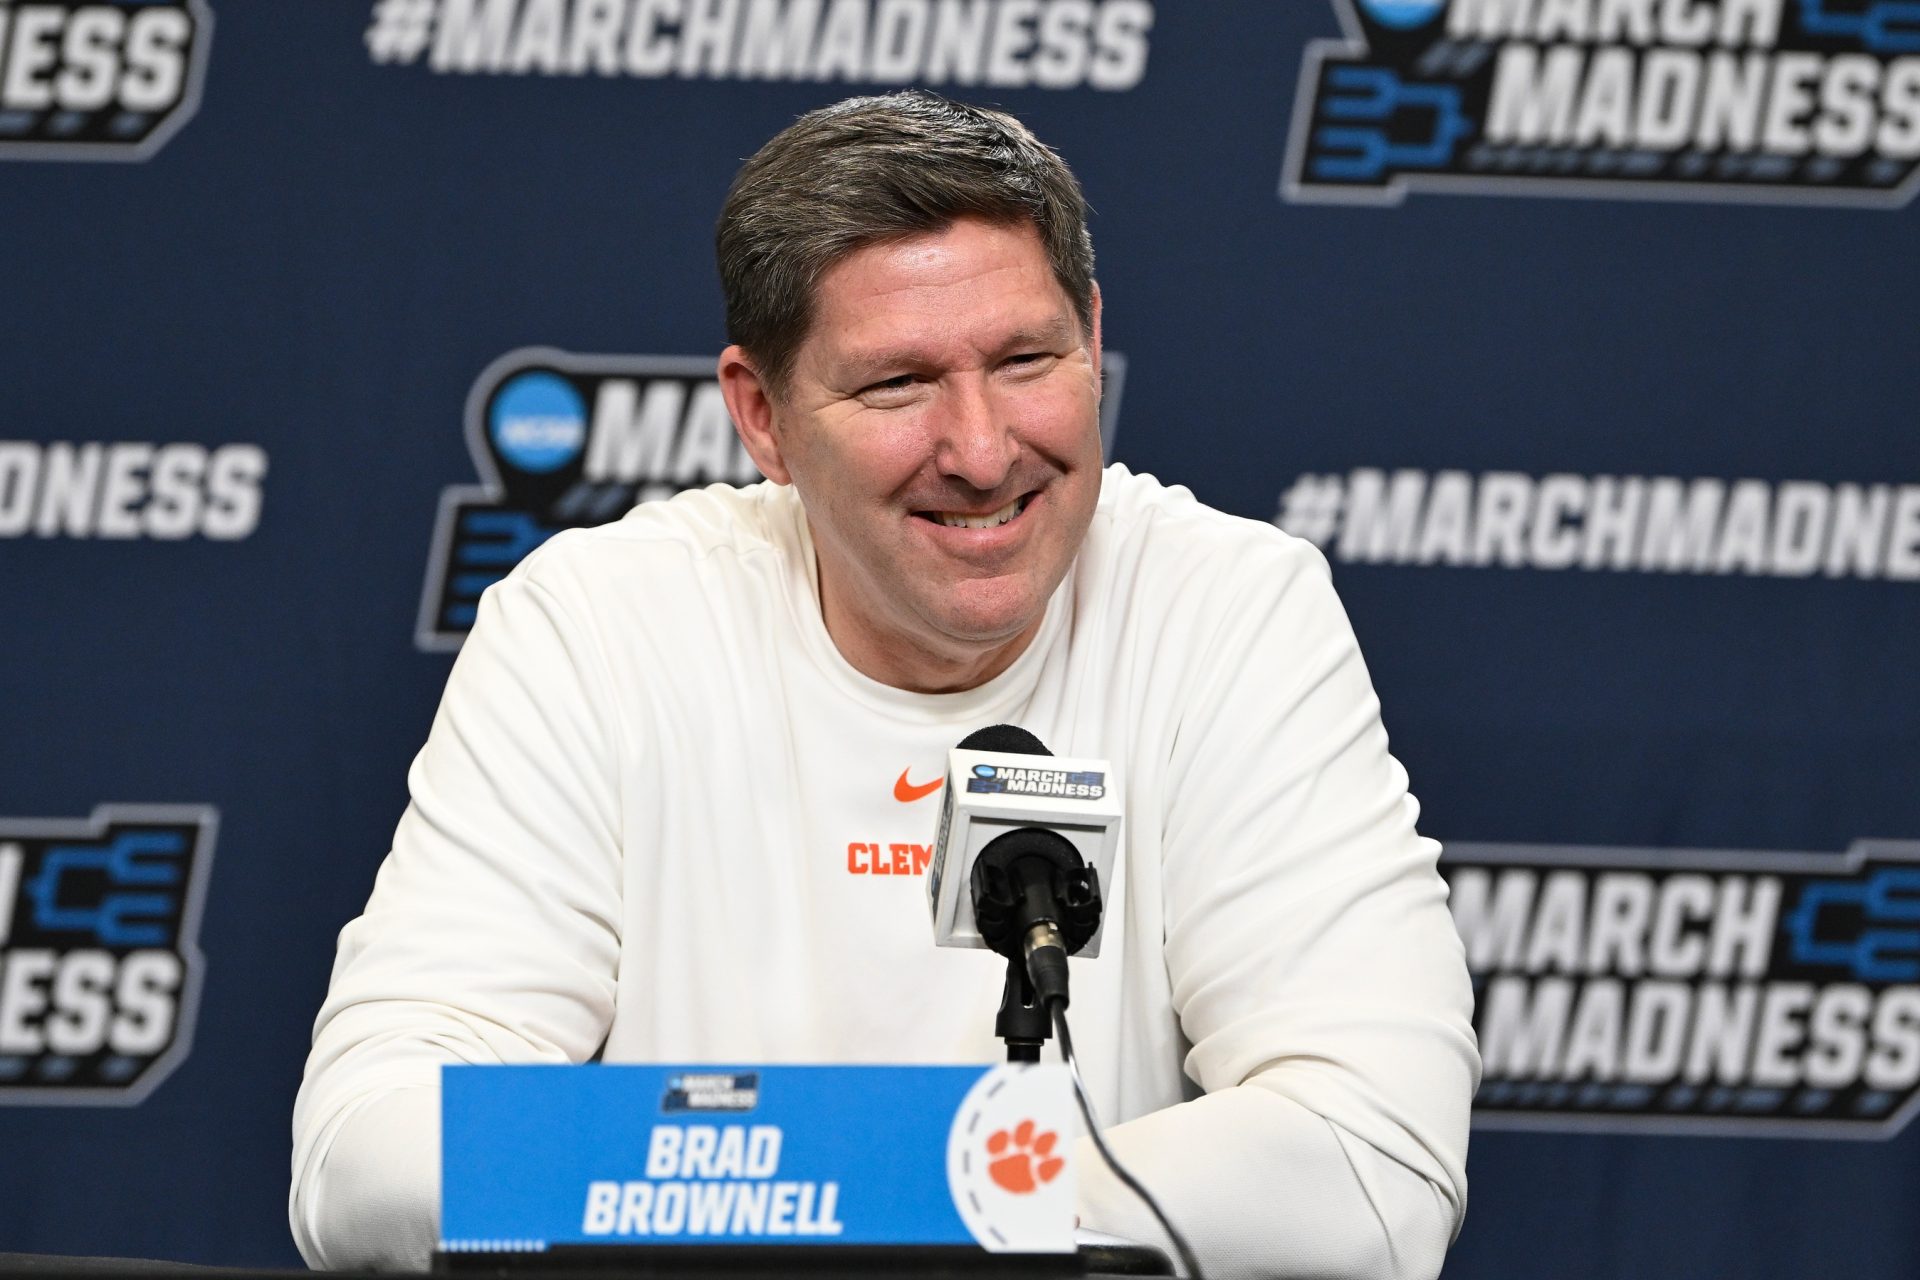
1101	1264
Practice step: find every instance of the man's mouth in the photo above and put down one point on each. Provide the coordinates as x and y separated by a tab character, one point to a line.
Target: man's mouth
992	519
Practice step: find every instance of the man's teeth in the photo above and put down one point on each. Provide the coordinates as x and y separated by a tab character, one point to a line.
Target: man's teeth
954	520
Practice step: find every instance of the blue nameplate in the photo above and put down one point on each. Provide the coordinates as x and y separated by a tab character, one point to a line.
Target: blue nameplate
537	1156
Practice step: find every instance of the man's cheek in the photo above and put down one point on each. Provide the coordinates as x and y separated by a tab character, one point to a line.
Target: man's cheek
1064	403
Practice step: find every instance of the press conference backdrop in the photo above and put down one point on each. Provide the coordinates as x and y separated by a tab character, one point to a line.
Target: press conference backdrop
1581	336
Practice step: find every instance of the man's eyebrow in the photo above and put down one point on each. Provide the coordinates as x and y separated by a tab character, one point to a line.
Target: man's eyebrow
866	366
1055	332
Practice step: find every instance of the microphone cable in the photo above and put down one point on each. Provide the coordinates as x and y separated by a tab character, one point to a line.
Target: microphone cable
1188	1261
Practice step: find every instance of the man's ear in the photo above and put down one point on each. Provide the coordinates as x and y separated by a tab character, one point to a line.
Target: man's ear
1093	345
751	405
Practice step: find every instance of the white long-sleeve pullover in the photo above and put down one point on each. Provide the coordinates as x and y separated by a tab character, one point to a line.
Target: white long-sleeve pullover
660	818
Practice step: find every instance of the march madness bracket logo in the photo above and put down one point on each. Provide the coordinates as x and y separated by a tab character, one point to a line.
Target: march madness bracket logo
565	441
90	81
562	442
1694	991
100	964
1782	101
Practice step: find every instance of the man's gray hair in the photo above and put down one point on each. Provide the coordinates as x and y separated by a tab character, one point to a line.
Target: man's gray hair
869	170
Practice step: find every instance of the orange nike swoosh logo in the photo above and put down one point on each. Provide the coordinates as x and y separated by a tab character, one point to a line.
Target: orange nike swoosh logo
906	793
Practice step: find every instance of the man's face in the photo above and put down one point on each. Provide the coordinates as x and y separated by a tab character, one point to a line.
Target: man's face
942	427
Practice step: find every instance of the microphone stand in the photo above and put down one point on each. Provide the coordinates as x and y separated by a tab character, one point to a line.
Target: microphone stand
1023	880
1022	1023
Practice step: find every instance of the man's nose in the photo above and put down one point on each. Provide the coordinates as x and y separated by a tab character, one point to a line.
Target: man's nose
976	442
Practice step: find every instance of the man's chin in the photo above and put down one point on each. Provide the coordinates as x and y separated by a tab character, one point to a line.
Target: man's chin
986	624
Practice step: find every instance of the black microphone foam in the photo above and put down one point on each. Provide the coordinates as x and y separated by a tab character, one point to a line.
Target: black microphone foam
1010	738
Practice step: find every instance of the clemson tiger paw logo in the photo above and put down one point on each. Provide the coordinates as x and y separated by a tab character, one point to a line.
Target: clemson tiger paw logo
1024	1160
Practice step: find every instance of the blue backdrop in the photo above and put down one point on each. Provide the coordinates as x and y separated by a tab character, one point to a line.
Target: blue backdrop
1592	371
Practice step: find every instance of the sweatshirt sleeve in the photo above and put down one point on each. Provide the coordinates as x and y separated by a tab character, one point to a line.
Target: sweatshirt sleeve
492	934
1314	967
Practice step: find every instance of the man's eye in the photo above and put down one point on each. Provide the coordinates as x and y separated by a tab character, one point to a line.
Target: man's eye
900	383
1027	359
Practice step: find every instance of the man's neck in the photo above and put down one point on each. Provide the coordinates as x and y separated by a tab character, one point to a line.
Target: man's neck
905	662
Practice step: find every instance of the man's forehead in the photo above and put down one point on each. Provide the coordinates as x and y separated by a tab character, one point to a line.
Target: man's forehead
981	287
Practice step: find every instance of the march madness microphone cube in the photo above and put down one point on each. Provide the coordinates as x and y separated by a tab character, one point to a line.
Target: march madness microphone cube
992	793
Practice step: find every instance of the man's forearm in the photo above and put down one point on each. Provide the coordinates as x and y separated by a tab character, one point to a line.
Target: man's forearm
367	1196
1263	1187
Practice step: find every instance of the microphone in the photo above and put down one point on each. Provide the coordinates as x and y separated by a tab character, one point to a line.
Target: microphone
1031	837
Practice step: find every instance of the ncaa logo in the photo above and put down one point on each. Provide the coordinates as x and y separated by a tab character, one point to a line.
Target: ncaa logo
565	441
87	81
100	963
538	423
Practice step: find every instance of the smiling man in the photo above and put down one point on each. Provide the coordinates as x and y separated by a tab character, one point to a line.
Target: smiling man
941	423
679	797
